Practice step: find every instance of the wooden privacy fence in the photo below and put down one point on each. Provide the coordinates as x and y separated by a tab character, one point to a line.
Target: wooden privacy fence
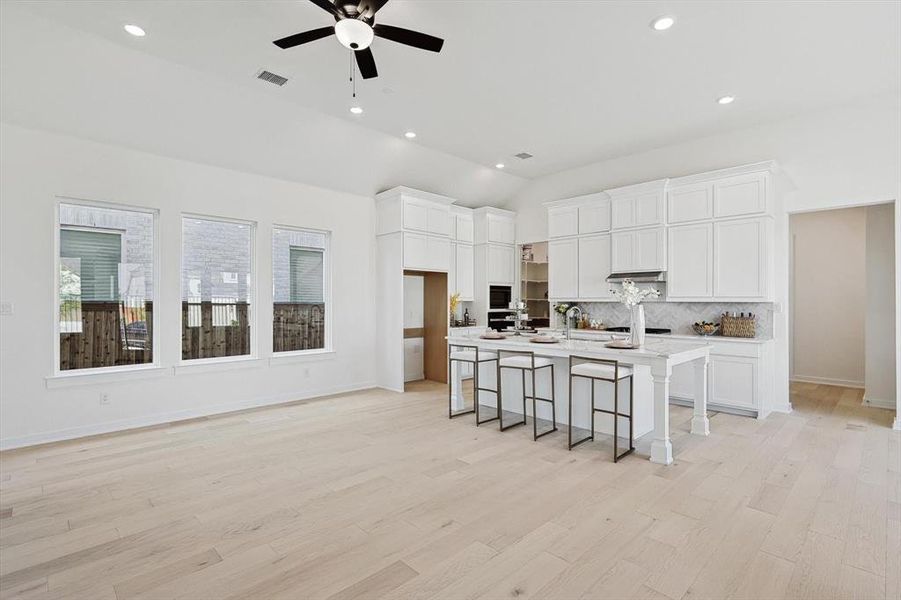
105	334
95	334
297	326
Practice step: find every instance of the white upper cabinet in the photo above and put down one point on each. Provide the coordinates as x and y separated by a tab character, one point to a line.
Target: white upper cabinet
439	220
562	221
638	250
594	217
494	226
594	268
406	209
426	252
463	267
690	261
463	230
740	195
741	259
563	266
416	216
500	264
639	205
693	202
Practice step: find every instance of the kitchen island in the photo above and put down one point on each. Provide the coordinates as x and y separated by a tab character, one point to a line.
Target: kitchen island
653	366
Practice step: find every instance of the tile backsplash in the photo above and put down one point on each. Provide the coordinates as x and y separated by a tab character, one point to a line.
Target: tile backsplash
679	316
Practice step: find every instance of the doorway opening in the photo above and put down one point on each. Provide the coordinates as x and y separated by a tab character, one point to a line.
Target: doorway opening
842	298
425	326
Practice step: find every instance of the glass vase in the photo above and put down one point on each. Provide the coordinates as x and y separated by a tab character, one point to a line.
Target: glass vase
636	325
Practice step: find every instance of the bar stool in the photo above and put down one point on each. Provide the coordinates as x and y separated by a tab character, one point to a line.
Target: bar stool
525	361
597	369
473	356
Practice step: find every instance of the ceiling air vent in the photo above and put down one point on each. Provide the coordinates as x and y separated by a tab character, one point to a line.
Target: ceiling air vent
523	155
272	78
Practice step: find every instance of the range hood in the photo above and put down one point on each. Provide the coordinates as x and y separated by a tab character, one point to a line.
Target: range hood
638	277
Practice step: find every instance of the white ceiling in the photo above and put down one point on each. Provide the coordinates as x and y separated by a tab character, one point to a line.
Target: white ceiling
570	82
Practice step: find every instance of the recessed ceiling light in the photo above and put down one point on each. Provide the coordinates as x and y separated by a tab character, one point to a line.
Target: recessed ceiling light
725	100
410	135
499	166
356	110
662	23
135	30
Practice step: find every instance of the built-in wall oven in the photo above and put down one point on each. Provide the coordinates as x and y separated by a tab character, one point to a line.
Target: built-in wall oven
499	298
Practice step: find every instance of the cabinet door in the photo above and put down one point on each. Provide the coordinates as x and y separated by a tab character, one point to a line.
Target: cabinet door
595	217
740	259
690	203
500	230
562	222
439	253
682	382
622	212
740	195
500	264
416	252
563	264
649	209
650	249
438	220
690	261
464	229
594	267
733	381
464	272
622	251
416	216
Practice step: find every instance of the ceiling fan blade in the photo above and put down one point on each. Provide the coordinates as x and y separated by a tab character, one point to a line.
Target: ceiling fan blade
408	37
329	6
302	38
368	8
366	62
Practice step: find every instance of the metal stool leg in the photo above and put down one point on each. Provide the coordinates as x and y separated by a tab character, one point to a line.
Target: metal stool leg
615	418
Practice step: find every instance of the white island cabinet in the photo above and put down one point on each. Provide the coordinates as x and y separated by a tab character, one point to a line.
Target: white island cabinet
653	366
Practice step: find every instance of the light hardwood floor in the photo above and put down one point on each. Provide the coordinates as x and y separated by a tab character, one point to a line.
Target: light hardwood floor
378	495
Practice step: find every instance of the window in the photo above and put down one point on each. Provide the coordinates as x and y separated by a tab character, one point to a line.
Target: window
216	288
300	289
106	272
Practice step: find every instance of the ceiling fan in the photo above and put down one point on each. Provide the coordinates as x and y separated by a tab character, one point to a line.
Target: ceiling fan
355	28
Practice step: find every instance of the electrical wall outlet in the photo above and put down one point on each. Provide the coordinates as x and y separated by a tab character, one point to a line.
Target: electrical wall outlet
6	308
104	398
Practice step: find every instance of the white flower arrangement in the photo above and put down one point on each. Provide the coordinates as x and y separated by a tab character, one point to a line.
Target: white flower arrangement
631	295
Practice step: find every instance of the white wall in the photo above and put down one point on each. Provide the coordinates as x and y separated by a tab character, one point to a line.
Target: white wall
38	166
843	157
829	296
880	322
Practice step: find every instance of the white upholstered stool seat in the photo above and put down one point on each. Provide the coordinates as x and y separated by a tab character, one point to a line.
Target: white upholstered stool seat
470	355
600	370
524	362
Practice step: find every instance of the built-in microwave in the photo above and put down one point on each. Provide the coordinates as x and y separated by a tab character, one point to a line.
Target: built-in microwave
500	296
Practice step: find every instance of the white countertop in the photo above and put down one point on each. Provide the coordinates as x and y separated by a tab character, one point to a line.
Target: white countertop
661	347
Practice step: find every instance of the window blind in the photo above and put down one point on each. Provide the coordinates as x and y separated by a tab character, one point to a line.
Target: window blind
306	275
99	254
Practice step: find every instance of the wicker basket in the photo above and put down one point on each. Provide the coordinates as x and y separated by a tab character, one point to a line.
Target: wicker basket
743	327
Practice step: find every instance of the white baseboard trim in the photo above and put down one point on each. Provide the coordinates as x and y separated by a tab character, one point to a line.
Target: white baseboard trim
849	383
878	402
172	417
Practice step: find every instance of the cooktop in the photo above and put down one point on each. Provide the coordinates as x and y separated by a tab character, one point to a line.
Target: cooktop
656	330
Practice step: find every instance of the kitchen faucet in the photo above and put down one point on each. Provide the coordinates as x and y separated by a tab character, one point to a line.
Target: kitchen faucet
568	316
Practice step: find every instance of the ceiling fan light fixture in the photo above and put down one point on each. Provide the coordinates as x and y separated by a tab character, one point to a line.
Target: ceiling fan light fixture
499	166
354	34
357	110
410	135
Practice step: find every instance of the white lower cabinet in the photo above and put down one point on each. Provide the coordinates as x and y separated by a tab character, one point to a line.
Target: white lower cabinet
426	252
500	264
736	376
594	268
563	269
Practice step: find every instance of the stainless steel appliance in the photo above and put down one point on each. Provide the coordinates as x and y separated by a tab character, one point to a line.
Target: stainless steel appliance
640	277
499	297
654	330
